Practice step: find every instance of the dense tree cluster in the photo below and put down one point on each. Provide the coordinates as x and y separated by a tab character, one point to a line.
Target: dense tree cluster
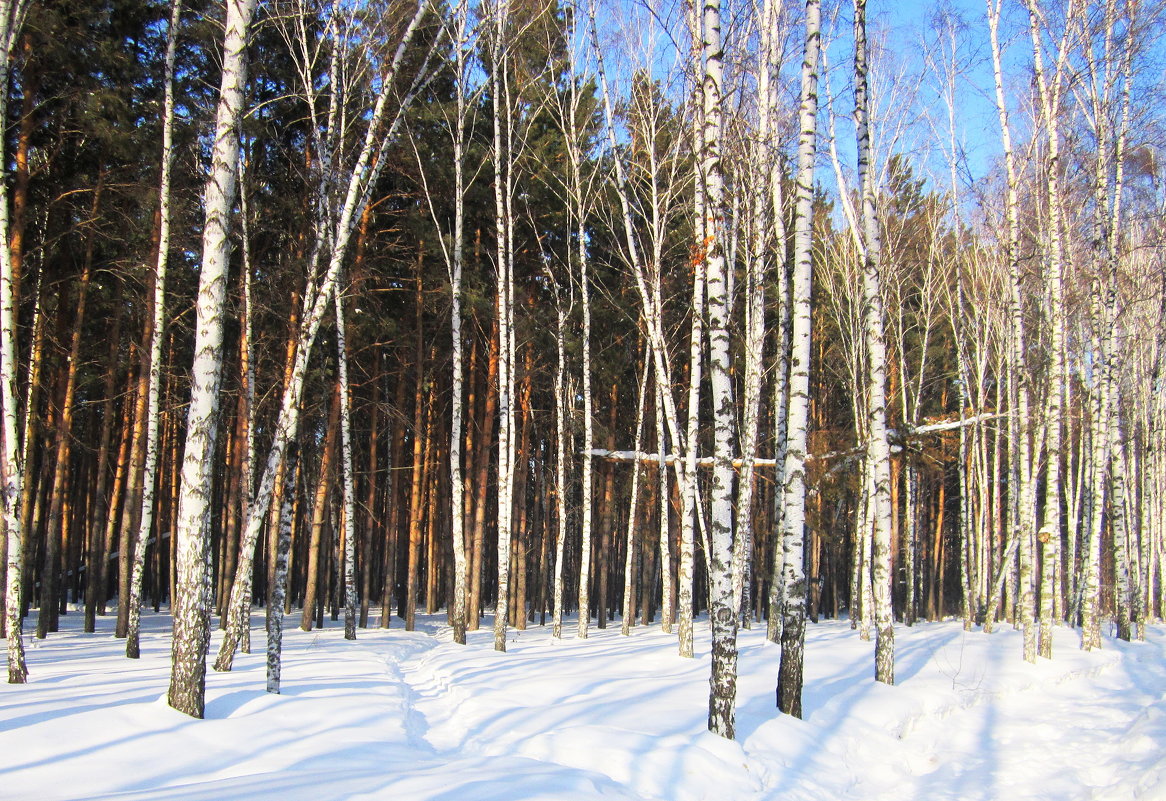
544	307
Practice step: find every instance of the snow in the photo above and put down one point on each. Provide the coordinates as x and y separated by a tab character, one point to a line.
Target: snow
411	715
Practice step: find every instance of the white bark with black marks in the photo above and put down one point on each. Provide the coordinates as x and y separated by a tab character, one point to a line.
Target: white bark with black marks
789	686
878	449
12	13
154	392
191	604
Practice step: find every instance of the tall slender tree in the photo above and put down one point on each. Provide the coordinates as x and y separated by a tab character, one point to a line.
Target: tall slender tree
793	635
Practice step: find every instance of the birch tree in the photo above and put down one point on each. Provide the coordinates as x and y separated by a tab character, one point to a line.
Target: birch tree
504	304
453	253
768	236
793	635
878	448
723	614
1020	476
192	600
348	489
647	280
1049	93
150	469
12	14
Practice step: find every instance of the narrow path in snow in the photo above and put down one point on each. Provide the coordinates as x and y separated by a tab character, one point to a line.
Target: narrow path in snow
439	716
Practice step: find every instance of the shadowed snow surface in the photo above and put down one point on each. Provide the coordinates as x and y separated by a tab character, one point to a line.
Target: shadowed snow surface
411	716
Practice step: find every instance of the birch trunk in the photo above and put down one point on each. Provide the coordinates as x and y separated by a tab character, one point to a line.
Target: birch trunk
192	599
12	13
278	592
588	443
651	303
247	391
722	612
767	235
789	686
457	519
1049	533
347	473
563	445
157	335
667	588
504	309
1020	450
878	449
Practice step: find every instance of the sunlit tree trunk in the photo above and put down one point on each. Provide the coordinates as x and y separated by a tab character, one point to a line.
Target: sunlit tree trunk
504	307
312	589
94	578
1050	530
157	336
723	614
12	13
1023	505
789	683
767	236
348	481
278	591
457	518
192	599
53	566
878	449
562	457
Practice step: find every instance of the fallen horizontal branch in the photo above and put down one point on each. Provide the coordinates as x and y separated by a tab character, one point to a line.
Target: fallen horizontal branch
893	436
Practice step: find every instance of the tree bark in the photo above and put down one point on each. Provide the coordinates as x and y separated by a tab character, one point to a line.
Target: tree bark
312	590
191	605
878	449
789	687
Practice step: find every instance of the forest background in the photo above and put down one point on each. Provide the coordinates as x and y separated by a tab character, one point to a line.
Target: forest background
542	308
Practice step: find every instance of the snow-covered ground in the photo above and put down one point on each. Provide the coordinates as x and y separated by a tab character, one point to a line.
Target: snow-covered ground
407	716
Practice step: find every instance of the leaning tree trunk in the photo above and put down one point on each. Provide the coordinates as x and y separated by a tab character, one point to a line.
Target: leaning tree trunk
278	590
653	317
